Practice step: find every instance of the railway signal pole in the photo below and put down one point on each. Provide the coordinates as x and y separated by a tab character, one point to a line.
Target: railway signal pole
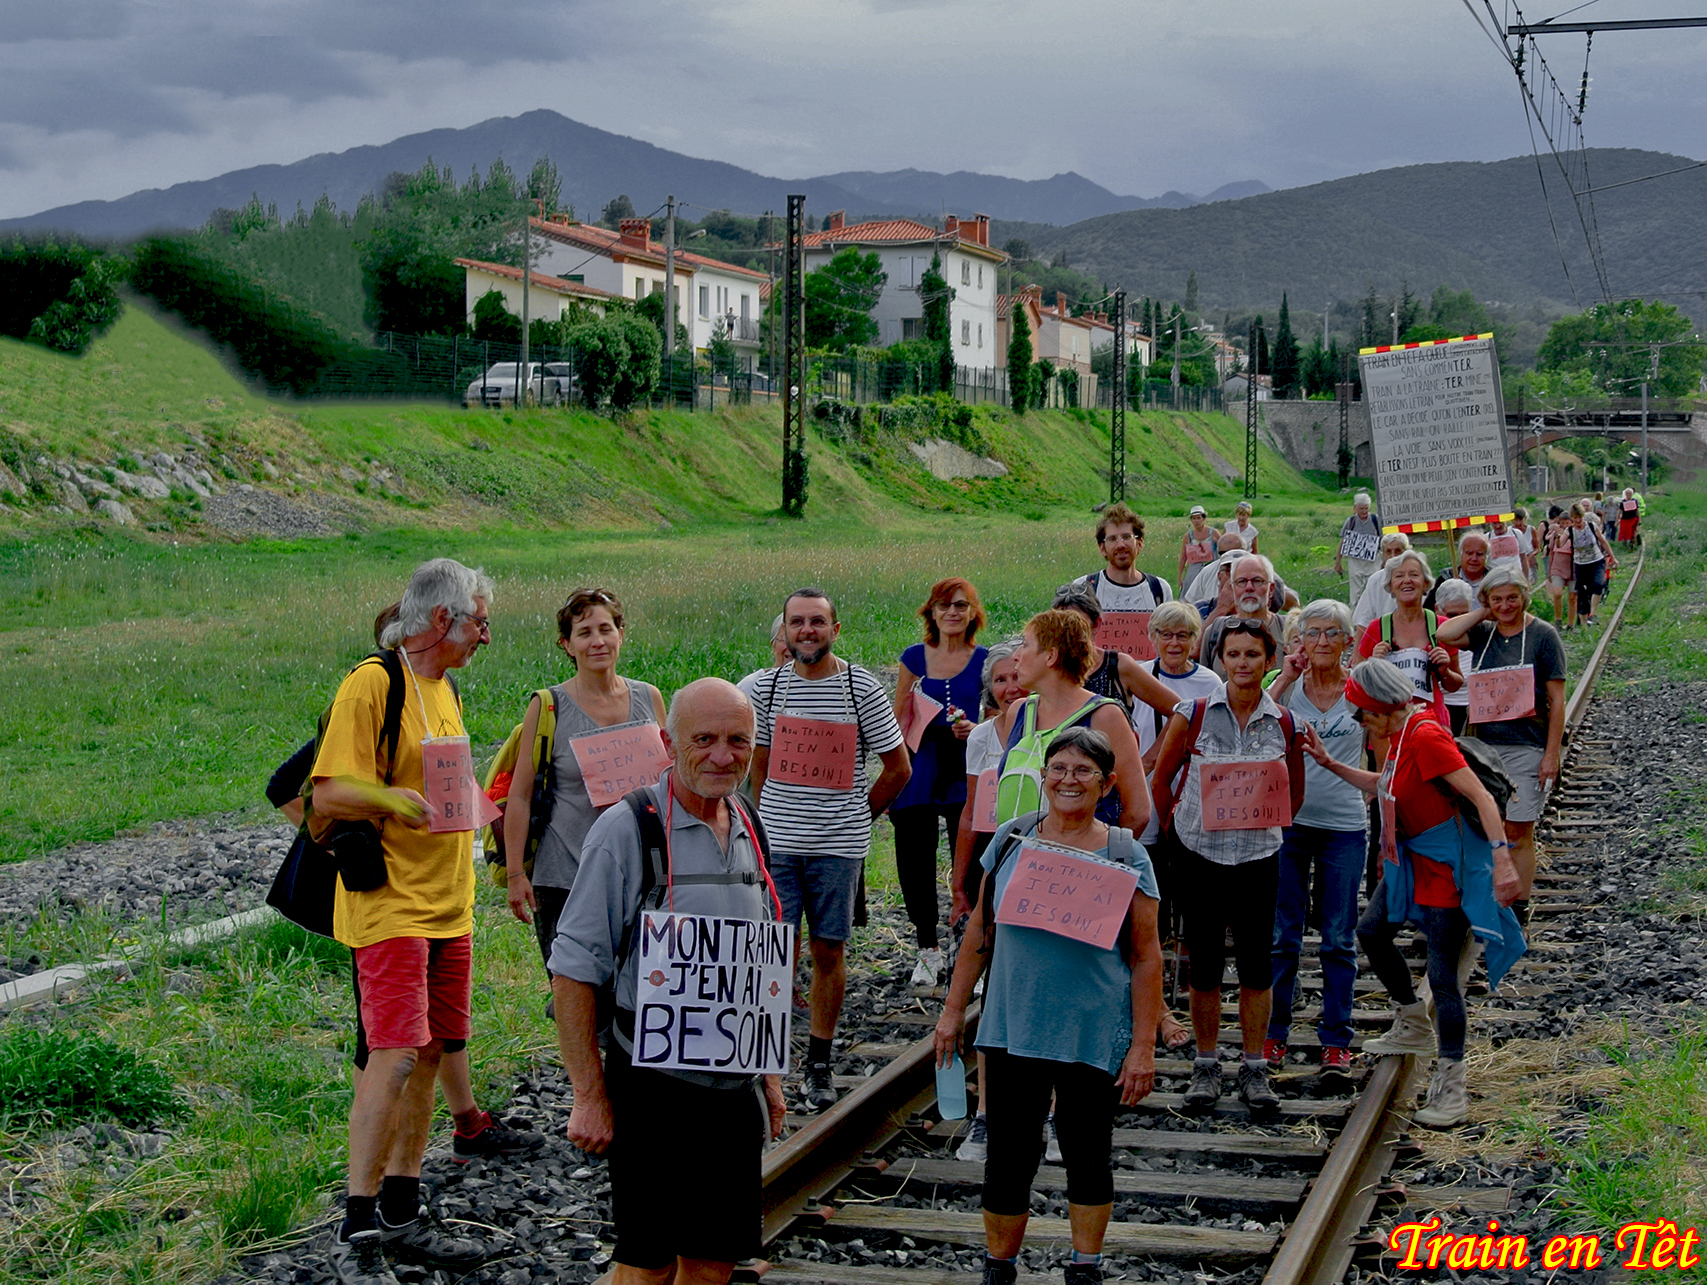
1117	411
794	361
1251	421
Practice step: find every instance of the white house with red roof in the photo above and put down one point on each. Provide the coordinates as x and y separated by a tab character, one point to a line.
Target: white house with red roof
629	263
548	296
905	247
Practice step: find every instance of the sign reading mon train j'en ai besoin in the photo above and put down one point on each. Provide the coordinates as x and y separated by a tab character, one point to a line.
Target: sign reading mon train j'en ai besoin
1437	431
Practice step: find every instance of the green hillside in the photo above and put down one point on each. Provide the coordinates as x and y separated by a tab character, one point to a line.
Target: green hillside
147	386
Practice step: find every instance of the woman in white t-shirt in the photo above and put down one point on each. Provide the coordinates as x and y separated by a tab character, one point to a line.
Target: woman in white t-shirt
1240	529
1454	598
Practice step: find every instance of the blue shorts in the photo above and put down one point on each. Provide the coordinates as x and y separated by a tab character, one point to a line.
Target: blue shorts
823	886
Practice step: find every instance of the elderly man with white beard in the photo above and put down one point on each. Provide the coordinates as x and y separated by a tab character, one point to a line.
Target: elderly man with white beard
1247	596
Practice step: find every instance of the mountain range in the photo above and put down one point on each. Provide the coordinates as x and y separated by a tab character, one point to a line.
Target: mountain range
596	166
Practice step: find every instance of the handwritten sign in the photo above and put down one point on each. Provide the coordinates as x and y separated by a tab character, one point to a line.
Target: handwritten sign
455	800
618	760
1198	552
1500	695
1437	430
1128	632
1413	662
1503	546
921	709
813	751
984	803
1360	546
1246	794
712	994
1071	894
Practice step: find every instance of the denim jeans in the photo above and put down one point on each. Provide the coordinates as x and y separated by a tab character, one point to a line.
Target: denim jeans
1445	930
1340	853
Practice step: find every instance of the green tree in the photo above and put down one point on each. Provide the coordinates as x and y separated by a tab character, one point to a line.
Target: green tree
1285	367
617	358
1621	344
1457	312
839	299
1018	249
493	320
545	185
1315	370
651	308
935	296
1021	376
61	296
616	210
1191	292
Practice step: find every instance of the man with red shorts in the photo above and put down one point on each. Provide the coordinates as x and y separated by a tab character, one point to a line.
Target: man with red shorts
411	932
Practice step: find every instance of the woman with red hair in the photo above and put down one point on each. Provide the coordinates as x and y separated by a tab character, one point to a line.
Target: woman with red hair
937	696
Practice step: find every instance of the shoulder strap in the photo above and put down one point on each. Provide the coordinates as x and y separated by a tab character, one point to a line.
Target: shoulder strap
1023	825
1155	587
1194	727
1387	629
654	869
392	725
1428	624
1288	727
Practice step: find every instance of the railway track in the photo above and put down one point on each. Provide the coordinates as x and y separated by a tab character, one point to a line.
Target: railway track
1290	1196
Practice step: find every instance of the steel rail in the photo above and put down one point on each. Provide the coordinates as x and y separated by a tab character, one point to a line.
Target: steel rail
1576	708
811	1163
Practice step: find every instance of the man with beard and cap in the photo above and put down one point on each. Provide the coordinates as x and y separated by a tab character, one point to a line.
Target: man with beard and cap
1247	597
816	720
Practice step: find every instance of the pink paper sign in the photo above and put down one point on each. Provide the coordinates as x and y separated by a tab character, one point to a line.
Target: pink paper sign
619	760
1075	896
984	803
1500	695
1503	546
1126	631
455	800
921	709
1248	794
813	751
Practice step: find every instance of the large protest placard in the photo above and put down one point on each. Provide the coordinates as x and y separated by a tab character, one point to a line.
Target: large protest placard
1437	431
712	994
1068	893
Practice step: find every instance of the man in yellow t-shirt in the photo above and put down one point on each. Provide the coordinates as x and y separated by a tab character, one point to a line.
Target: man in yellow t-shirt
410	935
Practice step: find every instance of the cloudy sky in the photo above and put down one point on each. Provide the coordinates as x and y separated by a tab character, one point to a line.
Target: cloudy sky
101	97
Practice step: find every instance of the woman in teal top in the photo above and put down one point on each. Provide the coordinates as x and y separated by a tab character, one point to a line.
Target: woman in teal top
1061	1015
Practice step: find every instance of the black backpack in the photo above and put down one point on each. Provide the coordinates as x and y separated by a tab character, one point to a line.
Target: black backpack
1489	768
307	878
655	880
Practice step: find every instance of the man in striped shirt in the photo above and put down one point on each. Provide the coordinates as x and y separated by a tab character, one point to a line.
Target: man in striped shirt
816	720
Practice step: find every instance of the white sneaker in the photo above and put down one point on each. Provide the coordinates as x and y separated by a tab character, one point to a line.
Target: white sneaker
1051	1144
927	973
977	1144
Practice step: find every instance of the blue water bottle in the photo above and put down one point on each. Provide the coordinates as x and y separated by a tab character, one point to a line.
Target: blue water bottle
951	1090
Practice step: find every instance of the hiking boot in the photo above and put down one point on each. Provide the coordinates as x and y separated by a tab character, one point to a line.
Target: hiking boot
1255	1091
927	973
976	1148
1411	1032
999	1272
1051	1143
1204	1091
360	1260
427	1242
1082	1274
495	1139
817	1089
1335	1061
1274	1052
1448	1099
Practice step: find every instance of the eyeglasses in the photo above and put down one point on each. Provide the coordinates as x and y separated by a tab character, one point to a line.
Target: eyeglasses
959	604
482	624
1248	582
1240	625
1077	772
1168	635
1316	635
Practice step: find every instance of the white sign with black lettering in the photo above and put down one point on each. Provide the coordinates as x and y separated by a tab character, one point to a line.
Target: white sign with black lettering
713	994
1437	430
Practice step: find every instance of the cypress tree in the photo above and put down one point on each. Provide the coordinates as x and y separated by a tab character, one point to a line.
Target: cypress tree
1020	375
1285	353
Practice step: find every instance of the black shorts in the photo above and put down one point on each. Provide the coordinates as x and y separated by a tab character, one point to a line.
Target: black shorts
1215	899
684	1167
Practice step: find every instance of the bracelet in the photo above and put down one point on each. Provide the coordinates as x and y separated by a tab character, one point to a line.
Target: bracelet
515	874
1501	844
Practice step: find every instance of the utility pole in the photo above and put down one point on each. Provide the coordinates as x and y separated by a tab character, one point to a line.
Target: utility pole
1117	412
524	385
1251	421
1342	394
1174	378
770	330
794	361
670	295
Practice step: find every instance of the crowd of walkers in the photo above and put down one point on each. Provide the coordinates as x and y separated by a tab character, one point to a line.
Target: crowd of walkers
1228	765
